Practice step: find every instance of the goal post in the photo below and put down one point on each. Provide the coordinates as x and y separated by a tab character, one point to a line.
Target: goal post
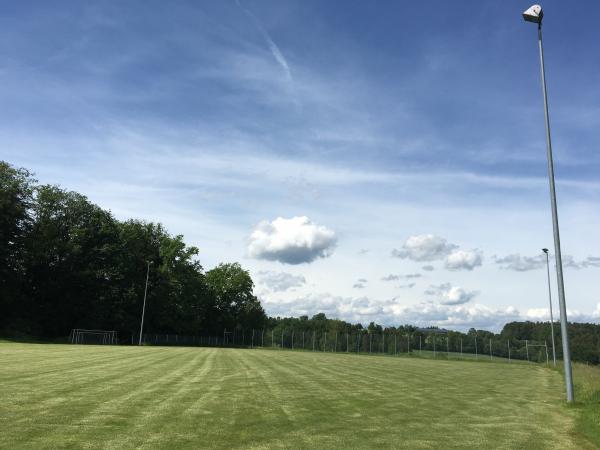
98	337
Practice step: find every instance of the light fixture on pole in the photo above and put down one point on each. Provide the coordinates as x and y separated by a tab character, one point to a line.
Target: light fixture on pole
144	307
545	250
535	15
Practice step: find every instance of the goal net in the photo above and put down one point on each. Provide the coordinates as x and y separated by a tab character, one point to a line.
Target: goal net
98	337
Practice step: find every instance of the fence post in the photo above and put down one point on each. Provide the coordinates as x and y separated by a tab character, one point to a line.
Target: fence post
325	342
303	346
382	342
347	341
476	356
461	347
527	349
448	347
546	345
314	334
419	345
408	344
508	344
262	338
282	331
395	344
335	348
370	343
434	346
292	339
490	349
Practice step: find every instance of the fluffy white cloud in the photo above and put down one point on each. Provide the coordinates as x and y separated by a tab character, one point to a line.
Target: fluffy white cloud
280	281
394	311
459	316
451	295
573	315
424	247
464	260
291	241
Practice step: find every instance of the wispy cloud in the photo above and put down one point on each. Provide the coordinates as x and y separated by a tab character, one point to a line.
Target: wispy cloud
272	45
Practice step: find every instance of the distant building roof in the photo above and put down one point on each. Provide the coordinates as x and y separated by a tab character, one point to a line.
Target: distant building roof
432	330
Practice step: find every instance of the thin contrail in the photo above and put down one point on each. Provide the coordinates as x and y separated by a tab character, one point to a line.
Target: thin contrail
272	46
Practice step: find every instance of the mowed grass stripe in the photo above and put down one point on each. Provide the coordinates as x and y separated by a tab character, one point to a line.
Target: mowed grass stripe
79	392
406	393
163	397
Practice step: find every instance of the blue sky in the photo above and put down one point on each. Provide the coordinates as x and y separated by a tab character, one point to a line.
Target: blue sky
333	148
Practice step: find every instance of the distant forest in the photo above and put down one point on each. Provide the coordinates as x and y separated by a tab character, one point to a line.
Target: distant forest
66	263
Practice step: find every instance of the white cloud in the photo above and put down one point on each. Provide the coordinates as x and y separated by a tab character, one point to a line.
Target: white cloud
291	241
392	277
524	263
447	294
520	263
393	311
596	313
280	281
590	261
424	247
360	283
464	259
459	316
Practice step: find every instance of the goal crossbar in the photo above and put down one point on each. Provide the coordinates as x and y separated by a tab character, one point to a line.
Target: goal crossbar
77	336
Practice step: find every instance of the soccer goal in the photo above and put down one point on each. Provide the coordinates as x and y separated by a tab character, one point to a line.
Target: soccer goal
98	337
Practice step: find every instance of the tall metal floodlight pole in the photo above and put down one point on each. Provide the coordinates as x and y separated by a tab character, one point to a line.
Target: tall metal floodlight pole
545	250
535	15
144	307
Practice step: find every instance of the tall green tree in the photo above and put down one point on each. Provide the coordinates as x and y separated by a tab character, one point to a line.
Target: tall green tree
16	196
235	302
69	253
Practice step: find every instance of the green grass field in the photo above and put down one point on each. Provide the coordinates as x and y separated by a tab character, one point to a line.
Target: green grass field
63	396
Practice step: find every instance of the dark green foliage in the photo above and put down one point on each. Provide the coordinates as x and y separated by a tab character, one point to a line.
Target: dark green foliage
66	263
584	338
236	306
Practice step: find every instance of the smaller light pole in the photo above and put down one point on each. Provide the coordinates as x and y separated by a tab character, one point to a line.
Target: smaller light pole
144	306
545	250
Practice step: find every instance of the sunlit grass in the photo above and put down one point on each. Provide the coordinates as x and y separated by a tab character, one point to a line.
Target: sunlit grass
587	400
59	396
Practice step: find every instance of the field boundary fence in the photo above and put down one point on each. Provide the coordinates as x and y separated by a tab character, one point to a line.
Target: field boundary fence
427	345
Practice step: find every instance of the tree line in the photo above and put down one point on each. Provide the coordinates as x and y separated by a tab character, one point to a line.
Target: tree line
584	337
67	263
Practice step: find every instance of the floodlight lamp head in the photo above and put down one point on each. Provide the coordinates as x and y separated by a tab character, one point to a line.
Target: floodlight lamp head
534	14
545	250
